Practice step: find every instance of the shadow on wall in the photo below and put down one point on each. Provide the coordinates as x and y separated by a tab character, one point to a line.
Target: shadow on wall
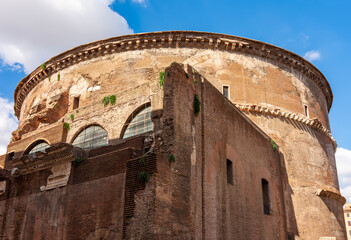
289	208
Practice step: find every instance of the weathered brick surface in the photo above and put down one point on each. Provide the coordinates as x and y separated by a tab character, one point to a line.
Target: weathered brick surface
258	75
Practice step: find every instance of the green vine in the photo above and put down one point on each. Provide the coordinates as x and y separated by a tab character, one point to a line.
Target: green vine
274	146
58	77
142	160
77	161
171	158
197	105
43	66
113	99
162	79
143	176
72	117
105	101
195	80
66	126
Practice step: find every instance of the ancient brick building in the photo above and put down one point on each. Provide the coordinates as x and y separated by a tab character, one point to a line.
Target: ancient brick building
172	135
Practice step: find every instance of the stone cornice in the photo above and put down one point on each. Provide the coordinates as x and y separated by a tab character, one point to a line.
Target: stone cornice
54	155
172	39
277	112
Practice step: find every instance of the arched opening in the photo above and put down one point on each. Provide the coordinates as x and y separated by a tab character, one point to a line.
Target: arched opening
38	146
93	136
138	122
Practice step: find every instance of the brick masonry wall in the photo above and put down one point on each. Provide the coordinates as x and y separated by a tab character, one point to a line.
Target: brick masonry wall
90	207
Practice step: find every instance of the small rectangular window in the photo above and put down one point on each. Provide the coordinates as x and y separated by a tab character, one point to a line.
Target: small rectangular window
265	196
347	214
76	103
229	172
349	232
348	223
306	111
226	91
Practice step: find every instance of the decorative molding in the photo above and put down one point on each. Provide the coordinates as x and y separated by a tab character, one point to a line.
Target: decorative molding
277	112
57	154
173	39
59	177
332	194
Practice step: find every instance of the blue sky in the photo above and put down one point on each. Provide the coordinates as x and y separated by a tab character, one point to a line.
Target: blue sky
32	33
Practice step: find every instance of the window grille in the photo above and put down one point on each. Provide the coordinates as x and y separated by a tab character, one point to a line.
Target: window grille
91	137
39	147
140	122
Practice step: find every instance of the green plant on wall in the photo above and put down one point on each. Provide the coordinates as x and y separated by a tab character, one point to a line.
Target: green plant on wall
43	66
195	80
143	176
162	79
72	117
142	160
113	99
197	105
105	101
274	146
77	161
66	126
171	158
187	75
58	77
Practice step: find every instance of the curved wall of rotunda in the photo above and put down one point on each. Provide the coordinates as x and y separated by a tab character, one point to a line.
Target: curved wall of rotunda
287	97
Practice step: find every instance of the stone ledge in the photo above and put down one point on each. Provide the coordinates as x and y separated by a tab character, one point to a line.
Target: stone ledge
332	194
173	39
277	112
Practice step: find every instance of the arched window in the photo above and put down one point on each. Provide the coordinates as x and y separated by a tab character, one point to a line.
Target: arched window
39	146
139	122
91	137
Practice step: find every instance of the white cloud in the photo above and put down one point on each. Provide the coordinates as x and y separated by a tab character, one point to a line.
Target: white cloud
8	123
312	55
138	1
343	163
36	30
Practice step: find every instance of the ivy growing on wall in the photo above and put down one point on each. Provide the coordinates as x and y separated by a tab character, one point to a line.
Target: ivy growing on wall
197	105
274	146
143	176
105	101
66	126
77	161
72	117
171	158
58	77
43	66
113	99
162	79
142	160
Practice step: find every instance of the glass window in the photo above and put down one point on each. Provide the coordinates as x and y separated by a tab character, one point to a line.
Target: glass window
91	137
139	122
39	147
